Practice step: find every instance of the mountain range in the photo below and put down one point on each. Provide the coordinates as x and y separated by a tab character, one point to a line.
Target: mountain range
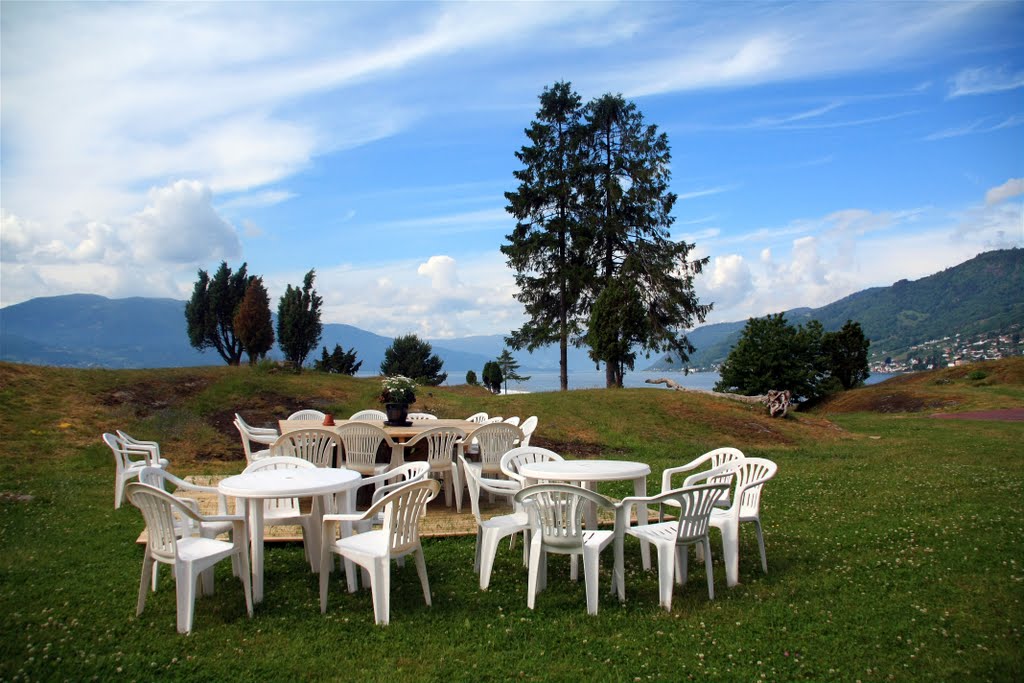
86	330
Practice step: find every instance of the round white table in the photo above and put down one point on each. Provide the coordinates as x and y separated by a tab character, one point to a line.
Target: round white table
588	473
319	483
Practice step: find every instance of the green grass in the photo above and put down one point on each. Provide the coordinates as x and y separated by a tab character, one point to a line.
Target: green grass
894	541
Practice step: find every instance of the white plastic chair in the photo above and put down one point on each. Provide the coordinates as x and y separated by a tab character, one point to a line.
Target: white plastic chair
514	421
524	455
374	550
189	555
751	475
362	441
125	468
308	415
556	526
489	532
444	445
673	539
250	435
493	420
416	417
138	444
478	418
528	427
369	415
318	446
495	440
712	459
286	511
159	478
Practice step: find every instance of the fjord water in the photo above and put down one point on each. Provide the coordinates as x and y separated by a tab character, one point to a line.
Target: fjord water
595	379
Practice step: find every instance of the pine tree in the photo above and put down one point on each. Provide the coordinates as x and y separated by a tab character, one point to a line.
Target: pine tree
412	357
210	313
547	247
628	216
252	322
509	367
298	321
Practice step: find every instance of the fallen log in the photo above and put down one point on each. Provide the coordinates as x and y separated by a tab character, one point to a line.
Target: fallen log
777	401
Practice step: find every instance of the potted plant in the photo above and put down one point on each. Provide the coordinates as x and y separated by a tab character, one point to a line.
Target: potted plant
397	394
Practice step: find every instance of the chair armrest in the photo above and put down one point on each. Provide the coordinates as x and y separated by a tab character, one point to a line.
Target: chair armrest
728	469
500	486
666	475
266	439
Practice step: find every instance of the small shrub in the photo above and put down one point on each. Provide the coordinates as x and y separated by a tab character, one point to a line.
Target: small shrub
976	375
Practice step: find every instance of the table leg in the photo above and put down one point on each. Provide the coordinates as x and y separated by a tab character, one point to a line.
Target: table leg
397	456
640	489
345	503
315	539
619	576
255	512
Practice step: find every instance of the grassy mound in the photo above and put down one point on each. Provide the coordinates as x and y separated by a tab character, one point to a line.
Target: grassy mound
987	385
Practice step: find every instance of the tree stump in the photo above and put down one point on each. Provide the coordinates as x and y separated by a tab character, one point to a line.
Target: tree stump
777	402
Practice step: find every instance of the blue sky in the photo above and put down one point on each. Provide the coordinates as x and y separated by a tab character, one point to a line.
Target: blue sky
818	148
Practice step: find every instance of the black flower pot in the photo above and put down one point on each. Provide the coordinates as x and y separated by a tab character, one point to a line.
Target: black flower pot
398	414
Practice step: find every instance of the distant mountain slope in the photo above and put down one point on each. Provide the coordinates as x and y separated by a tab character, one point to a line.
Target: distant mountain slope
85	330
981	295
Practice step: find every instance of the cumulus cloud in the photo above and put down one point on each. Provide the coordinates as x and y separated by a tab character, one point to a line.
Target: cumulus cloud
1011	188
180	225
726	281
442	272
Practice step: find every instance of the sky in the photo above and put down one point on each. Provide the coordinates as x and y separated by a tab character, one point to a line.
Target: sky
817	148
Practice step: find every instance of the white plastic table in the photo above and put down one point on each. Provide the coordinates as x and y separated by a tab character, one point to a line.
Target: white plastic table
320	484
588	473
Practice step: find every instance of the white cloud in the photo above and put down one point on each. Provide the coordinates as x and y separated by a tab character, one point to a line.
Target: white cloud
180	225
985	80
813	262
442	272
985	125
1011	188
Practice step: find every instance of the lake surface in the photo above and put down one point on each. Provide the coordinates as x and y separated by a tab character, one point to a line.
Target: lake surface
594	379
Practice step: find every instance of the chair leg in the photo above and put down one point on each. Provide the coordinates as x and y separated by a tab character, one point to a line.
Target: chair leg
666	564
148	574
760	544
682	564
477	550
206	577
457	486
185	581
421	569
591	571
243	568
326	564
537	555
708	568
731	553
380	590
488	548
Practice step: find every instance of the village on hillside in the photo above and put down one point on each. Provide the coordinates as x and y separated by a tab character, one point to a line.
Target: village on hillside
955	350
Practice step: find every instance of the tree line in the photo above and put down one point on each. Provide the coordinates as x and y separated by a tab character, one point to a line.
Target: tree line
593	258
230	313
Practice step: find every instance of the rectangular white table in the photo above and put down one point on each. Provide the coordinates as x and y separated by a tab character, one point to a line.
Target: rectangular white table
588	473
320	484
399	434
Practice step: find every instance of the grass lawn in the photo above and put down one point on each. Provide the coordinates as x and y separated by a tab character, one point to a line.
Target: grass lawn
895	543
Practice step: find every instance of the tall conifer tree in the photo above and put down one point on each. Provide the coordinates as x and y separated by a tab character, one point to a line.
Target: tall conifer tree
253	324
298	321
546	248
641	293
210	313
